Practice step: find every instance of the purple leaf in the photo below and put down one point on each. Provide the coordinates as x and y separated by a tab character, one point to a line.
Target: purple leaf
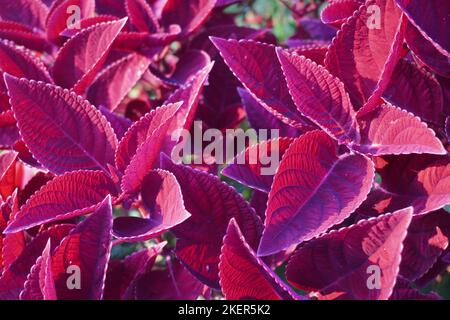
343	261
212	204
313	189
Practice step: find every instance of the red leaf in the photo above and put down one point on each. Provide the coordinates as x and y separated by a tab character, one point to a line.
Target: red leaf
313	189
86	248
63	131
69	195
243	276
343	261
140	132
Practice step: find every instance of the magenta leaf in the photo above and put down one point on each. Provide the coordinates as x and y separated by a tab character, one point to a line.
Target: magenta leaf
426	240
189	94
115	81
366	49
63	131
69	195
30	12
163	203
174	282
390	130
342	261
243	276
119	123
141	16
260	118
403	290
338	11
40	284
12	281
429	16
86	52
415	90
252	168
146	128
315	51
313	189
189	15
147	153
121	275
252	62
319	96
85	250
426	52
60	15
211	203
421	181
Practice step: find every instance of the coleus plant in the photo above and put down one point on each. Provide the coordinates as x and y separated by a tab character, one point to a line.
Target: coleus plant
94	207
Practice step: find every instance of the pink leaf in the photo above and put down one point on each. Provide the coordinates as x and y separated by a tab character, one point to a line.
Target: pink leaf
85	52
313	189
390	130
163	203
61	15
86	252
63	131
366	49
69	195
338	11
148	151
320	96
243	276
140	131
426	240
115	81
343	261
